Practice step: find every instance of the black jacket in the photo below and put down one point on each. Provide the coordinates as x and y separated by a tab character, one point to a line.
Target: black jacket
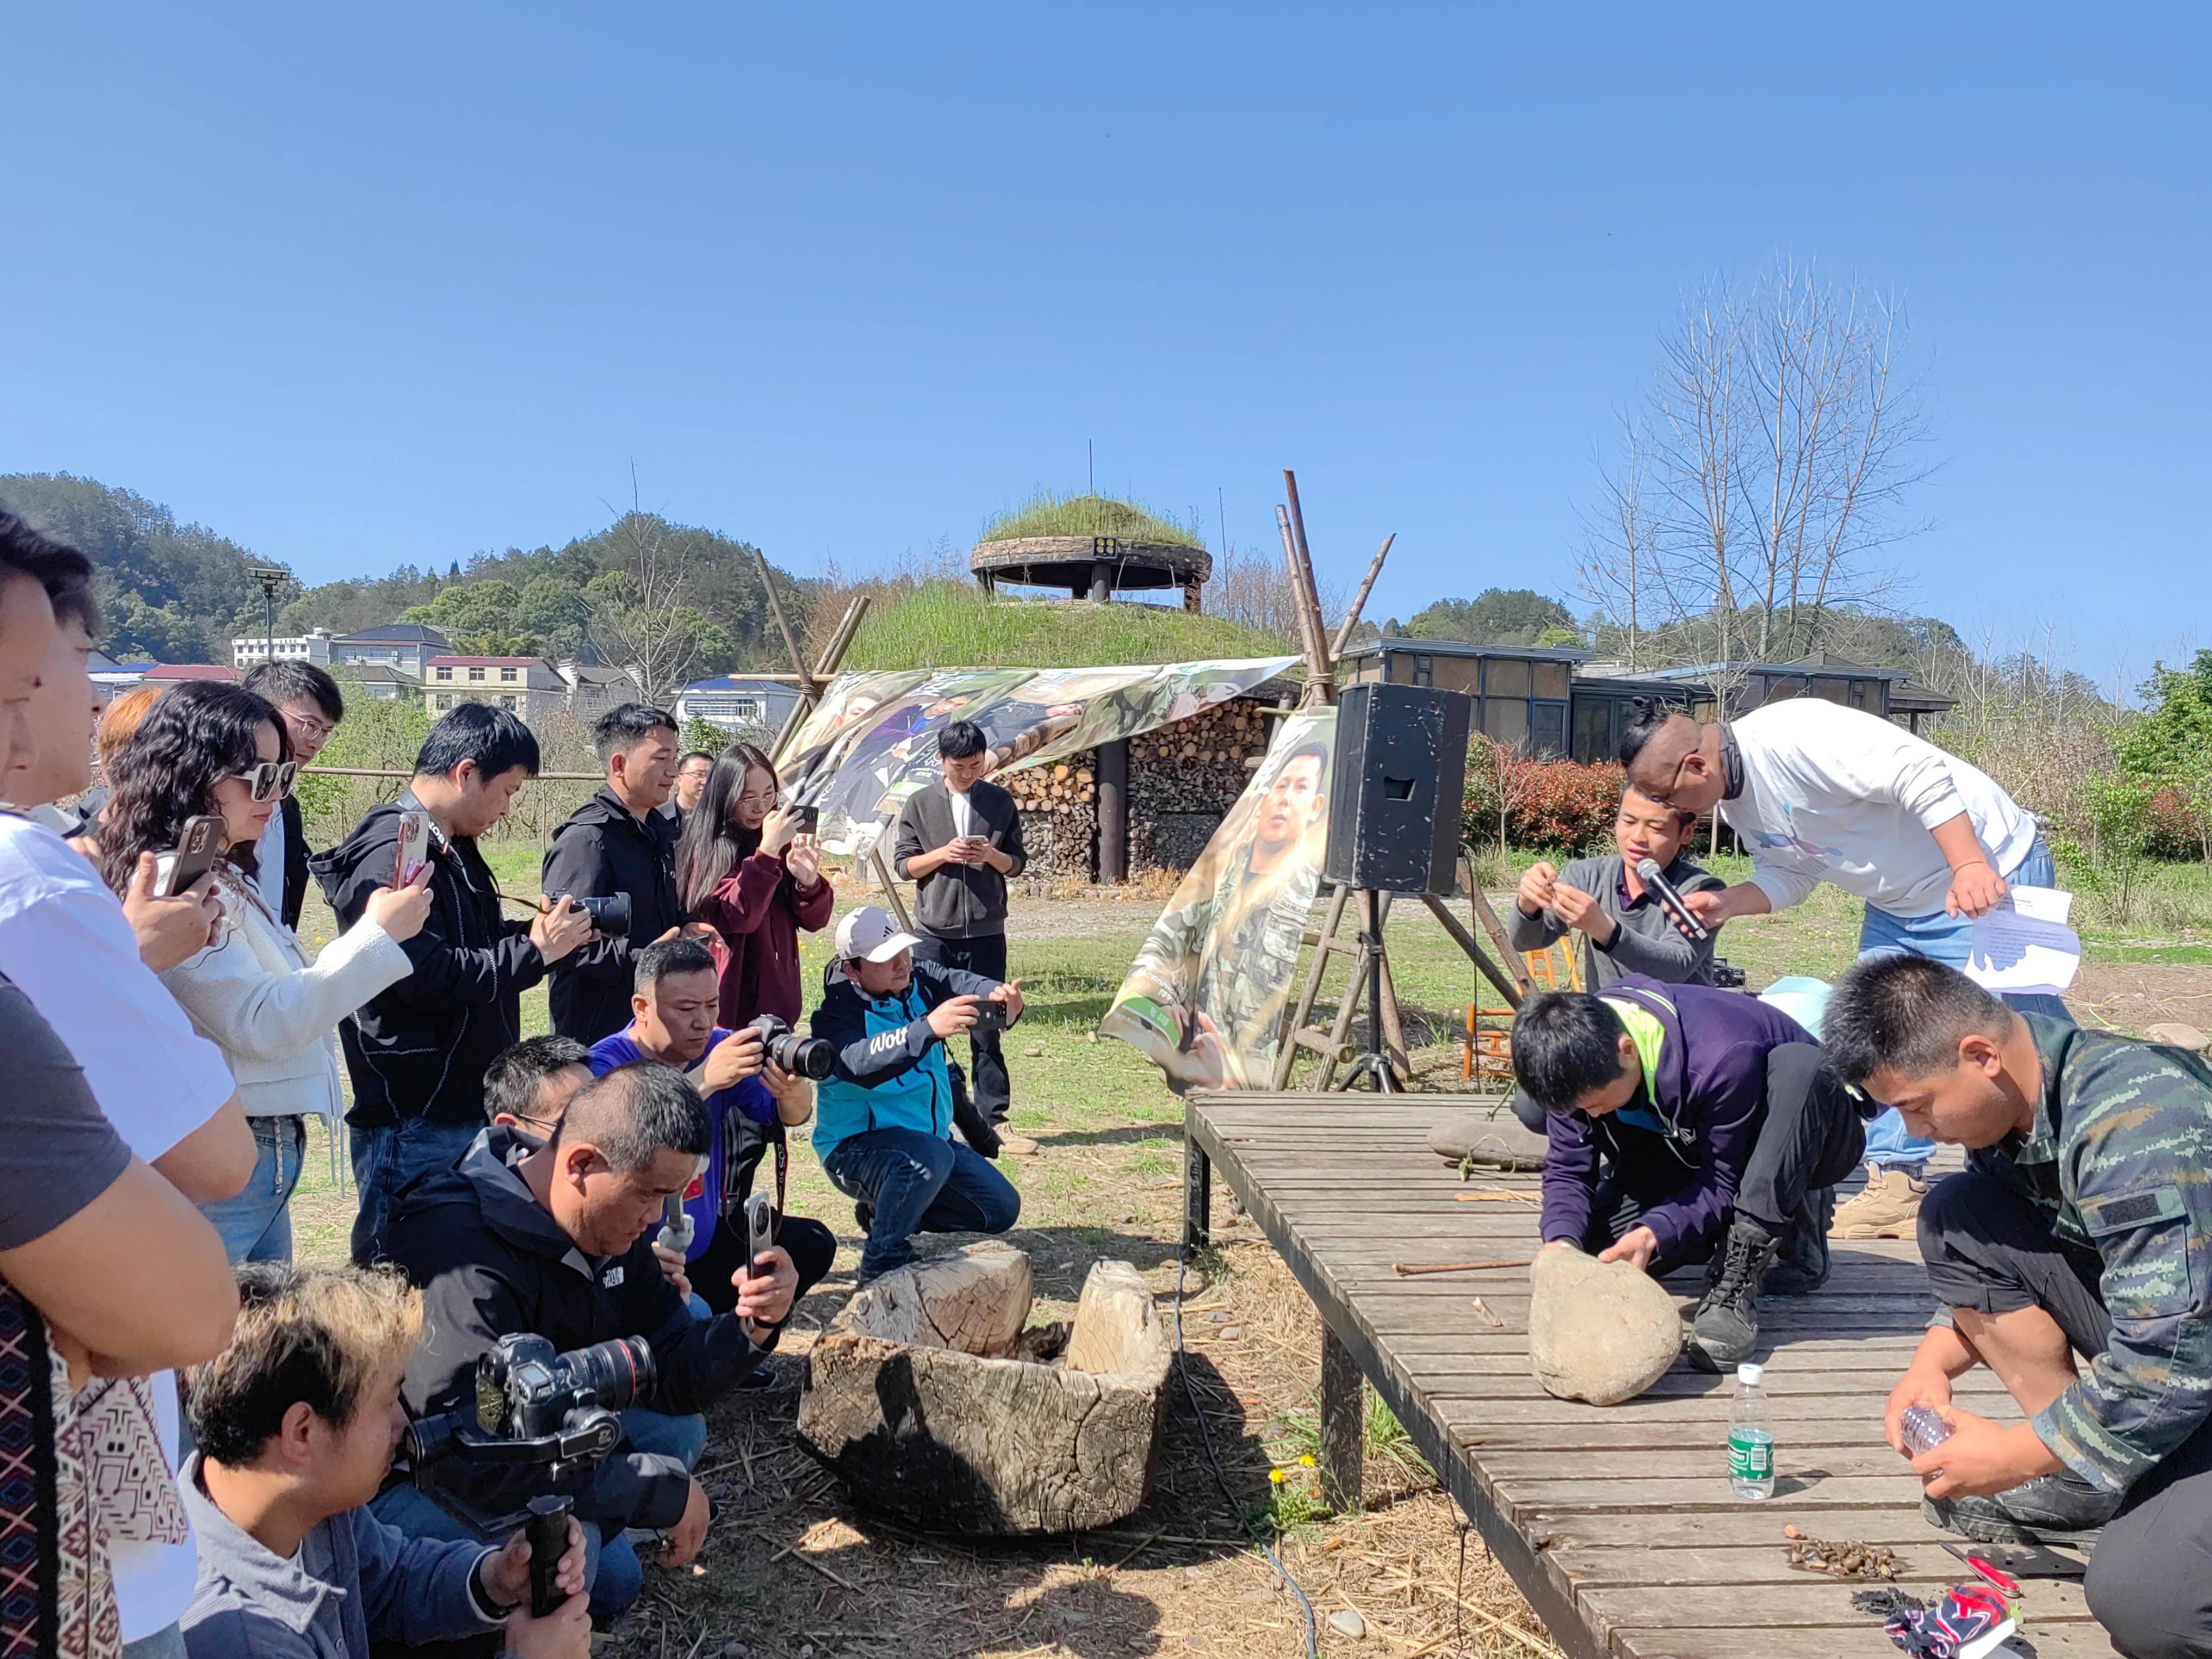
492	1262
960	901
295	862
420	1049
604	849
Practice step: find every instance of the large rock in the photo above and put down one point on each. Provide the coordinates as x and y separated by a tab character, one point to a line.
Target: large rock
2178	1034
1490	1136
1600	1331
931	1400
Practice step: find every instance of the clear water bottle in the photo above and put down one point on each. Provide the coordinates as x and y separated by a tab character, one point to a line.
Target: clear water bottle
1922	1430
1750	1436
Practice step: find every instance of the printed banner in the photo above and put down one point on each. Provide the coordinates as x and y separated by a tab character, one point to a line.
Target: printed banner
1204	1000
871	742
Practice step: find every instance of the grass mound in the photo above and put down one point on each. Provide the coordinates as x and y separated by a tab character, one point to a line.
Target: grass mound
954	625
1048	514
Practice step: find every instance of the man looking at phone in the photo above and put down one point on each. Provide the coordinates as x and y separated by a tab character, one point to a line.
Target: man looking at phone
885	1133
306	699
419	1051
750	1102
958	841
556	1241
618	841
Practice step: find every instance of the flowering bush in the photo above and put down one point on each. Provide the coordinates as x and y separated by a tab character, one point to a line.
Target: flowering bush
1559	804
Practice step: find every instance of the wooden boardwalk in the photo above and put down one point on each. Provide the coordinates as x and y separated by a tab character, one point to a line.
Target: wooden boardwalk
1617	1522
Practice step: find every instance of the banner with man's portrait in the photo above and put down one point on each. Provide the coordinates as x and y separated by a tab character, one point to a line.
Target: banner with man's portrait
1204	1000
871	742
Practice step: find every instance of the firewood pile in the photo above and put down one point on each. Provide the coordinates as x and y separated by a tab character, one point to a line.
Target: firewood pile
1058	806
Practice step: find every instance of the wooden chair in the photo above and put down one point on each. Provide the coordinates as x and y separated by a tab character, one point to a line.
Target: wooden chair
1486	1050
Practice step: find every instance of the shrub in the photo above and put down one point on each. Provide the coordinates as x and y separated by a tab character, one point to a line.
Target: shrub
1559	804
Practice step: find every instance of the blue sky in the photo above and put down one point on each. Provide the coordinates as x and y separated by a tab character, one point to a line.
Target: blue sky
360	286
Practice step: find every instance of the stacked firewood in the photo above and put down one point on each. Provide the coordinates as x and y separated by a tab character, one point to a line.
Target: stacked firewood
1058	803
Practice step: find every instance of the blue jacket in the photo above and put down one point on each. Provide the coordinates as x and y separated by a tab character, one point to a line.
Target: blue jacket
748	1097
890	1070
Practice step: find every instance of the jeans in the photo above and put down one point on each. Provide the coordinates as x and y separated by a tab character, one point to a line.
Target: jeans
1944	939
257	1224
388	1156
612	1572
984	954
161	1644
918	1183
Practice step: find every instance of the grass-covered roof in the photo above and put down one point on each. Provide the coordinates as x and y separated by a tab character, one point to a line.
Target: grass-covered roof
950	625
1048	514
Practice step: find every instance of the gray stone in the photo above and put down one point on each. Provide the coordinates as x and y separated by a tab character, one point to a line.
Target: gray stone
1349	1623
1490	1137
2178	1034
1602	1332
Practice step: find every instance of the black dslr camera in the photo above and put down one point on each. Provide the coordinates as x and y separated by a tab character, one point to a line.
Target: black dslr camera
555	1413
801	1056
610	915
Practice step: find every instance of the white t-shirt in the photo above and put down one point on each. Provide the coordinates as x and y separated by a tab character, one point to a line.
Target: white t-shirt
64	942
269	852
964	812
1834	794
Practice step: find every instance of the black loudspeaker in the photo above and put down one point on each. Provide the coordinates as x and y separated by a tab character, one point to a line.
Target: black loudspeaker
1396	790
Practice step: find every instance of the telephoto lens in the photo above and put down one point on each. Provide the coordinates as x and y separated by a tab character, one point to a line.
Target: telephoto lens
610	915
797	1053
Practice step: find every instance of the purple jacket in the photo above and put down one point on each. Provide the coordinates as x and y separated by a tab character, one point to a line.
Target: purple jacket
1709	1089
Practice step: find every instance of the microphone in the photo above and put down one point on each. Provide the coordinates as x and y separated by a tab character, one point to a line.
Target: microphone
1670	901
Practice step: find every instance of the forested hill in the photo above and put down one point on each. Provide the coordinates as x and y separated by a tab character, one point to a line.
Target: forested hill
179	592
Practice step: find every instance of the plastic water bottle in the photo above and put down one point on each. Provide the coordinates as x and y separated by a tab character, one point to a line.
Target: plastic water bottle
1922	1430
1750	1436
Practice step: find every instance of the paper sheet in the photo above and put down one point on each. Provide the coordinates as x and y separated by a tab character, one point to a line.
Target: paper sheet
2024	945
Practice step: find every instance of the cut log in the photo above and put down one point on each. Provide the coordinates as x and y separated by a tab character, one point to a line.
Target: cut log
921	1398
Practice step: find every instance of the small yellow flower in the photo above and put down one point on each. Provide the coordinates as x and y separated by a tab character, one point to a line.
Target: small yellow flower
1305	1460
1275	1475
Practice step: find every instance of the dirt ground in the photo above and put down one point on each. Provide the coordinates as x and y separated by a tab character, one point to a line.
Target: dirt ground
796	1568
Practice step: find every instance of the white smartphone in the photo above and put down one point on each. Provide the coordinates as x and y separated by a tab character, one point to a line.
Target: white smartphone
413	847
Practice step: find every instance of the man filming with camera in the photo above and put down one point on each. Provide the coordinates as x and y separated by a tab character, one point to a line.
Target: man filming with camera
555	1242
750	1101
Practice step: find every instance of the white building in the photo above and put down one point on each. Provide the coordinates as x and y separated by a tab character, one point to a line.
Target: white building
314	647
736	700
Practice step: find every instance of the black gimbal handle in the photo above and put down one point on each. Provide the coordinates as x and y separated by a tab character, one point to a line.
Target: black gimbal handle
548	1532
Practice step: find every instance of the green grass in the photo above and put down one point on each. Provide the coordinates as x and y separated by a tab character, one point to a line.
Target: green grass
1046	514
957	625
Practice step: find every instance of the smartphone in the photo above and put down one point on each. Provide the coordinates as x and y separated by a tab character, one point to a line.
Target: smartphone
809	819
760	1227
989	1016
200	843
413	847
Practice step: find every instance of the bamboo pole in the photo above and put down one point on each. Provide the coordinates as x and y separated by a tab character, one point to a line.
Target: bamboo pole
1320	686
783	626
1359	599
1303	573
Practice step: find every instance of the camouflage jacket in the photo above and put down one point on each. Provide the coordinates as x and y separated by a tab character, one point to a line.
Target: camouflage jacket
2120	1162
1232	955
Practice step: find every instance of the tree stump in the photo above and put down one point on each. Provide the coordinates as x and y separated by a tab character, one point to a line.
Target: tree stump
930	1399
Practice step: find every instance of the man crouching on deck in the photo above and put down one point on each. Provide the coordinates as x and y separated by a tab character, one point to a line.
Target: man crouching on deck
2082	1225
1686	1123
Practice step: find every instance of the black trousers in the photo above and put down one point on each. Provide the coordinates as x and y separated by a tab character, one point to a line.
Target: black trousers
2150	1579
984	954
1811	1137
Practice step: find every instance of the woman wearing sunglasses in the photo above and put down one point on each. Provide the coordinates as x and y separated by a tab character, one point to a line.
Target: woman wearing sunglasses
219	750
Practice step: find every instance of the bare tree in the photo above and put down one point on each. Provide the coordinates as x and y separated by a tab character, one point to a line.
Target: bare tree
1764	477
1248	586
641	617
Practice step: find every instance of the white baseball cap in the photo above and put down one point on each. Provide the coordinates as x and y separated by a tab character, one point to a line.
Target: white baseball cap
871	933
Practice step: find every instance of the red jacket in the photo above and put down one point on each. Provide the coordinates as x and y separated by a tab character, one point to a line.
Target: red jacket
756	912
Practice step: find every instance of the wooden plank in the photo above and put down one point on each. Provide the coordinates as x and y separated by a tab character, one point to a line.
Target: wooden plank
2048	1641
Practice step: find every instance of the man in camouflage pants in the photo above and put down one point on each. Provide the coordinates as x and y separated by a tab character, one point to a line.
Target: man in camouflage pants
2082	1225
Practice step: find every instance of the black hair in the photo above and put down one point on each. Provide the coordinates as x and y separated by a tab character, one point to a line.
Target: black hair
494	739
1565	1044
1645	716
713	842
626	726
1313	746
635	1112
959	740
1685	819
294	681
1904	1014
691	755
64	573
680	955
194	736
511	1082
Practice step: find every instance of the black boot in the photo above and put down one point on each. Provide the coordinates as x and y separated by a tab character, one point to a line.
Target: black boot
2052	1509
1801	1266
1724	1326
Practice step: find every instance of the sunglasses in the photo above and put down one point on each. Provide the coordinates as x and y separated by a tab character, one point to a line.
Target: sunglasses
270	781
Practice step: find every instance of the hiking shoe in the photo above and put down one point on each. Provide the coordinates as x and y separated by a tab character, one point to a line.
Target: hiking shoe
1016	1146
865	1213
1800	1267
1888	1208
1724	1325
2052	1509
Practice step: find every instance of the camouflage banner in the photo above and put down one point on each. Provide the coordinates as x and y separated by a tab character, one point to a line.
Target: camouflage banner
1204	1000
871	742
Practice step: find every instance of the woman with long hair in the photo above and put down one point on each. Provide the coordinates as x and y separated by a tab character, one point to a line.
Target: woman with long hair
216	750
744	868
